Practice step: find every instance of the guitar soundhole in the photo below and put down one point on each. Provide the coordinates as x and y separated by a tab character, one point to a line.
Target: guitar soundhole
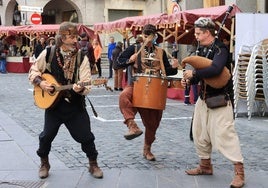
53	91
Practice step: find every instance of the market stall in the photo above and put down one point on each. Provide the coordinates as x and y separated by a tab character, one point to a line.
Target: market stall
16	63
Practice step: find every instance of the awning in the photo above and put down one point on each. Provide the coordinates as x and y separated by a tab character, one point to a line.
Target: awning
32	31
175	27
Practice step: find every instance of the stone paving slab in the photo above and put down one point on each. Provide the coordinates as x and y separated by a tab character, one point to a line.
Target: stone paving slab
121	160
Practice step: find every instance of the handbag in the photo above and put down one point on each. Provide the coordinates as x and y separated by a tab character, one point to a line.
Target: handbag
216	101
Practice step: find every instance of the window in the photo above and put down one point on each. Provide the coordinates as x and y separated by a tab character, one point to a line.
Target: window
213	3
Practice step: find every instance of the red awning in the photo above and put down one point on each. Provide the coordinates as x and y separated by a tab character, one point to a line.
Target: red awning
28	29
180	23
47	29
129	23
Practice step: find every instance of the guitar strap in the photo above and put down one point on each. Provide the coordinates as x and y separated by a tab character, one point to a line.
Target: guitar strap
51	52
92	107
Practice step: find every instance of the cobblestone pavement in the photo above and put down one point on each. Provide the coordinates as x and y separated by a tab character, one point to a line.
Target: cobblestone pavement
172	147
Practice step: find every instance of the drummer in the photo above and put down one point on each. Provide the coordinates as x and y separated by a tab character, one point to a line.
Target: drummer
150	60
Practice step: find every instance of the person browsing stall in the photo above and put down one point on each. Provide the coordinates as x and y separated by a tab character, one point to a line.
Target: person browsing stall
67	67
213	122
41	45
131	57
86	49
118	71
97	54
111	47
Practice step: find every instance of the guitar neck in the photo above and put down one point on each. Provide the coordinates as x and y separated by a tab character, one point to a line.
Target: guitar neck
70	86
94	82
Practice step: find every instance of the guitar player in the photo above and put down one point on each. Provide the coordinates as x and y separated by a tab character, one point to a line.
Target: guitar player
64	63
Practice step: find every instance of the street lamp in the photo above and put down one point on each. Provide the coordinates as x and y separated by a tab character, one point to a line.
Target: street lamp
17	17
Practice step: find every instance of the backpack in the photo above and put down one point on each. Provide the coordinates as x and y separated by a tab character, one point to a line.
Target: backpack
87	50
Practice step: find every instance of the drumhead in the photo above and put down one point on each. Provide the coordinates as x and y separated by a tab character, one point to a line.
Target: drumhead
148	76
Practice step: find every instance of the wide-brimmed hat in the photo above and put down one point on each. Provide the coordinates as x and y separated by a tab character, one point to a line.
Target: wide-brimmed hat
50	38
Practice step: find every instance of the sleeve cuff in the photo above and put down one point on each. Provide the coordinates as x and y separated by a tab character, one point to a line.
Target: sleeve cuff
37	80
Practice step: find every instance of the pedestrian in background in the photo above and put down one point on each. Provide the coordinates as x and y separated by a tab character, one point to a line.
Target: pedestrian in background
118	71
87	50
67	67
111	46
97	54
189	86
51	41
40	47
213	126
3	55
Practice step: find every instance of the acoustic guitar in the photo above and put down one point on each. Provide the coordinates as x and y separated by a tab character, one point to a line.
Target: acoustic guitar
44	99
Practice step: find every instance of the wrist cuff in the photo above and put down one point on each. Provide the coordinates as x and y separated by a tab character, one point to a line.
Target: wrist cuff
37	80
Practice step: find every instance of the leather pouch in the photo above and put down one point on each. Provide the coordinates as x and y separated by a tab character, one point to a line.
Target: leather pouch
216	101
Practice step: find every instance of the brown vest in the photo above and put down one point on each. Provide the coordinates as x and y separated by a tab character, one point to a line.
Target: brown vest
157	67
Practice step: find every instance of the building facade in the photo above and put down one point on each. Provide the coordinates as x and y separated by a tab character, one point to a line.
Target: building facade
89	12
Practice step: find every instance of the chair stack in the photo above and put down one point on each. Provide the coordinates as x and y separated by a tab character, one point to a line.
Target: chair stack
265	75
255	80
239	76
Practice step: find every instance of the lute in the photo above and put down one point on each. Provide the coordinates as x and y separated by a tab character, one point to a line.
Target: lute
44	99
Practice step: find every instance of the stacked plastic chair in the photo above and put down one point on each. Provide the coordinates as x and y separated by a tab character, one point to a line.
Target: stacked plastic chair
265	75
239	76
255	81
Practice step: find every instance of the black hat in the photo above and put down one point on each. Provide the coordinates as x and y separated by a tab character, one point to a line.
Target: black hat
83	35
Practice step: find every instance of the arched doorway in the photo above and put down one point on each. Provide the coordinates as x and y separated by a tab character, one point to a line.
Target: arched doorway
12	12
54	14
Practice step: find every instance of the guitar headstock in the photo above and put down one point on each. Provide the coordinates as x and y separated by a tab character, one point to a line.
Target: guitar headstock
101	81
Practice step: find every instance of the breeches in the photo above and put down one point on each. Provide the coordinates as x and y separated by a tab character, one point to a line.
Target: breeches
150	117
214	129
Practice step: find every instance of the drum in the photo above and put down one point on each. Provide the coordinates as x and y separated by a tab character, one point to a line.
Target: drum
150	92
